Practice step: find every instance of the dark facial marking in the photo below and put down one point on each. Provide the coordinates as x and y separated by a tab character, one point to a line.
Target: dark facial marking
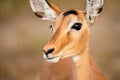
70	12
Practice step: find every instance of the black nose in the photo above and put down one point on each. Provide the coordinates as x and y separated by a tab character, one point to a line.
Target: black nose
49	51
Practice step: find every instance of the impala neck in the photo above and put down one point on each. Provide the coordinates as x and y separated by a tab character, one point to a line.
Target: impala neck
83	64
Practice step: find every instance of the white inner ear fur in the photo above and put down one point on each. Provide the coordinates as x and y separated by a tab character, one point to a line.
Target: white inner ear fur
36	5
92	8
43	7
50	14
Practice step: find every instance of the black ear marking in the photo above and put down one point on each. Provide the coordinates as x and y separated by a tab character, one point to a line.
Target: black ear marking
70	12
48	3
89	17
100	10
39	14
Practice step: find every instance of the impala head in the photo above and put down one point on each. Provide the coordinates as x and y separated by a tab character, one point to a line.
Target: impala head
70	28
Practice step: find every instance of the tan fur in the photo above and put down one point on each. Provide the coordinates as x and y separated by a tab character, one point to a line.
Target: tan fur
55	8
69	43
85	68
63	70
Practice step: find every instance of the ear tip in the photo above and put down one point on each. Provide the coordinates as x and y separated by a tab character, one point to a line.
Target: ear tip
32	5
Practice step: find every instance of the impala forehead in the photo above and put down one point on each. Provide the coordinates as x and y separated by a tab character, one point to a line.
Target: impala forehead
68	17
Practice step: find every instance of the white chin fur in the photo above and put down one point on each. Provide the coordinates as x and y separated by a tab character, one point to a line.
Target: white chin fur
54	60
75	58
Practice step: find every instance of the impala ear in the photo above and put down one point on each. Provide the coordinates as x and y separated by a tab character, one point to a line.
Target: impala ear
44	9
93	9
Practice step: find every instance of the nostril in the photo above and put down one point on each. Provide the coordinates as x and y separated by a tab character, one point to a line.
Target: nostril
48	51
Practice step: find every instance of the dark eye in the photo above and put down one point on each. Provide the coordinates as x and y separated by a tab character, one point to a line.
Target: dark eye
77	26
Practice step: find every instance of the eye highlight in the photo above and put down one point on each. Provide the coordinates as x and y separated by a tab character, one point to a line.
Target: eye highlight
77	26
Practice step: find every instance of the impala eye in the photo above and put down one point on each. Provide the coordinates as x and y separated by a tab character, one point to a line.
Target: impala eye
77	26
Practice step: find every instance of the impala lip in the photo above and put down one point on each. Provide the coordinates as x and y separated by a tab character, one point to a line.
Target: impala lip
53	59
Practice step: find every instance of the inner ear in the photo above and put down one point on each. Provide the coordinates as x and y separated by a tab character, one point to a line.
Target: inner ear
45	9
93	9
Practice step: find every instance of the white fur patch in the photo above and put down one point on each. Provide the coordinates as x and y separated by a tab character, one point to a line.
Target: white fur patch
75	58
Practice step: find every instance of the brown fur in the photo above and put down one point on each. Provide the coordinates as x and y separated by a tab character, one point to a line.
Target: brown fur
84	68
62	70
54	8
71	43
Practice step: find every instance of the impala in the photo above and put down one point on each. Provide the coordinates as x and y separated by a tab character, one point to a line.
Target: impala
67	52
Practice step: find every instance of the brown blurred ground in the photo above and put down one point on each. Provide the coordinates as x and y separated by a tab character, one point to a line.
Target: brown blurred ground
22	35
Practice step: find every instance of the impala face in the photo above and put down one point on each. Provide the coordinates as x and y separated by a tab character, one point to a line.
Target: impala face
70	28
70	32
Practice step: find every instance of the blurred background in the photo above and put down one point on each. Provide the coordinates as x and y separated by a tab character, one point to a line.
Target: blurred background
22	36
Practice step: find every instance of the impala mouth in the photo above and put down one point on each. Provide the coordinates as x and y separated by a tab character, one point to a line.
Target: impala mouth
54	59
